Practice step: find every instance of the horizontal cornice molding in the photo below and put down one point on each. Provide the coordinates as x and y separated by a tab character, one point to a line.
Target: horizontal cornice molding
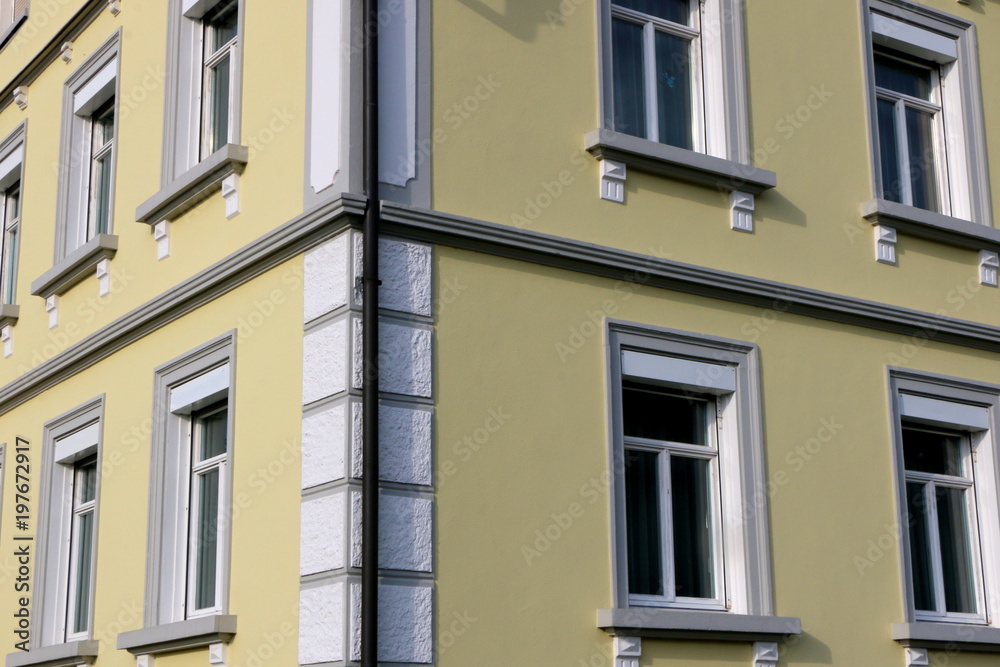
270	250
573	255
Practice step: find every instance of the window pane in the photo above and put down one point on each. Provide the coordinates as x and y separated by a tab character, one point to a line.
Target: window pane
213	435
223	26
84	551
937	453
920	547
673	90
678	11
651	413
11	243
102	194
956	551
629	80
208	519
923	173
690	486
642	523
892	186
902	77
104	126
86	480
219	105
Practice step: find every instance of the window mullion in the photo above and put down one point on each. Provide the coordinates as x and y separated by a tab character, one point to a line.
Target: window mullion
667	529
902	147
649	70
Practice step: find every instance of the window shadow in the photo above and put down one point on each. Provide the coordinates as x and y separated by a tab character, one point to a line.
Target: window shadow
519	18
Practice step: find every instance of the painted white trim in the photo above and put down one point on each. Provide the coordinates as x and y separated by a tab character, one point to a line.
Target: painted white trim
912	39
84	442
679	372
397	84
326	91
209	386
98	89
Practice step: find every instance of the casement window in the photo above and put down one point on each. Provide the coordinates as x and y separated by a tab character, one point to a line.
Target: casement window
688	473
673	71
12	15
67	532
87	168
11	172
188	561
204	79
946	453
928	142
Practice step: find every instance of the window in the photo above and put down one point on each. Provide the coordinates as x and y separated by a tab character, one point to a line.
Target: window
204	80
946	454
688	473
927	126
67	532
220	38
188	563
86	205
12	14
675	69
11	167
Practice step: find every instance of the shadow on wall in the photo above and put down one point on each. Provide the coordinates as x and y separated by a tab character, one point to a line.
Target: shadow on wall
519	18
981	5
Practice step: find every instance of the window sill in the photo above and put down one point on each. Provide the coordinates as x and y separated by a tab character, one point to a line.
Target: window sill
75	266
5	37
963	636
9	314
59	655
683	624
673	162
930	225
180	636
194	186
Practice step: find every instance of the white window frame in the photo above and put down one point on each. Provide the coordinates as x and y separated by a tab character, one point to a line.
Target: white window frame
190	383
90	88
11	178
78	510
948	45
727	370
68	439
952	405
720	110
185	128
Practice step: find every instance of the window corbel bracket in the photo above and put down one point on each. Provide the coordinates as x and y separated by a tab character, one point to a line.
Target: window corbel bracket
989	263
627	651
885	244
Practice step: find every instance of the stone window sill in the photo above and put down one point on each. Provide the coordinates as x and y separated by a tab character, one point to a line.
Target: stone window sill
75	266
179	636
678	163
59	655
9	314
960	636
684	624
930	225
194	186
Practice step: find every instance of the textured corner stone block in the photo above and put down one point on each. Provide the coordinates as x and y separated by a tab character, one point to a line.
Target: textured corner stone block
327	277
405	624
325	359
405	532
405	445
321	624
324	445
322	540
405	271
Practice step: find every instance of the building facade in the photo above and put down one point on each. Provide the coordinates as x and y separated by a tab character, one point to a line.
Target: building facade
689	338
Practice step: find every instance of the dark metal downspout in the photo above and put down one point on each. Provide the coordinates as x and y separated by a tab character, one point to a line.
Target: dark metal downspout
369	345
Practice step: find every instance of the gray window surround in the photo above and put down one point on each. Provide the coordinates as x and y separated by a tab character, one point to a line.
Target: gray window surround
68	208
75	267
7	34
179	636
754	577
193	186
963	392
60	655
9	314
182	112
673	162
947	636
14	141
166	549
56	479
963	32
930	225
710	625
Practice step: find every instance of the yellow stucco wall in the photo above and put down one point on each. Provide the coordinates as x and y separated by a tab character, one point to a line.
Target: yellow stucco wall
830	501
527	130
267	313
